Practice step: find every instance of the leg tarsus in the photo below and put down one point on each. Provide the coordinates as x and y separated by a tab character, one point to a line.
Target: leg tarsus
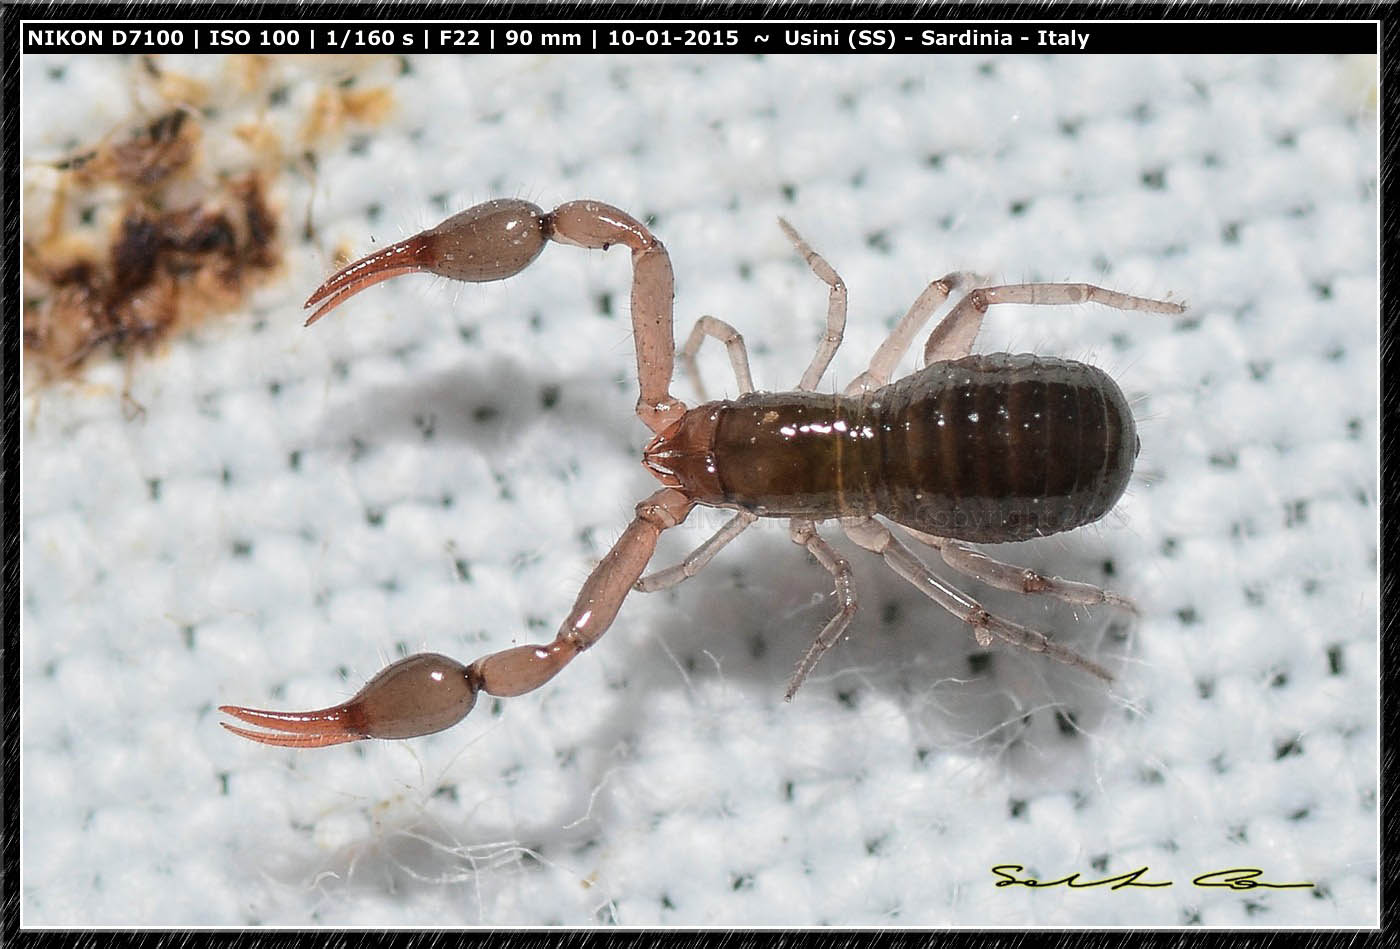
971	562
953	337
877	538
804	534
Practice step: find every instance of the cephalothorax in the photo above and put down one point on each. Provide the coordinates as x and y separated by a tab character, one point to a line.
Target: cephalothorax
970	449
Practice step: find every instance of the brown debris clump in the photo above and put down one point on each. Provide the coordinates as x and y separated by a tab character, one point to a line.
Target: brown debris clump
176	252
162	269
164	222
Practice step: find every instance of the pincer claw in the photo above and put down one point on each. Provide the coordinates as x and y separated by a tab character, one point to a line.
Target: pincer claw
327	726
407	256
490	241
422	694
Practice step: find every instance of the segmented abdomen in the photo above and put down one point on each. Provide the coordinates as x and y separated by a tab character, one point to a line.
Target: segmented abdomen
1001	447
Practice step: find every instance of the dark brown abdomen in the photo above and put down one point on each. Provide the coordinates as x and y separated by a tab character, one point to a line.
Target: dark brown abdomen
991	448
1002	447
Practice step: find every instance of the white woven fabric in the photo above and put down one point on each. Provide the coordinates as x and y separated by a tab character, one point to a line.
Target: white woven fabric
437	467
